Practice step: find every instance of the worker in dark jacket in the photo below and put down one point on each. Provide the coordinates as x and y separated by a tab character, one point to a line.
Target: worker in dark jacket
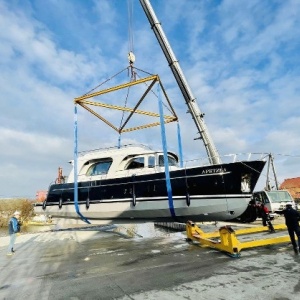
292	218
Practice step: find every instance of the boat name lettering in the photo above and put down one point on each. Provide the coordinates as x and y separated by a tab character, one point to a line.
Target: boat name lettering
214	171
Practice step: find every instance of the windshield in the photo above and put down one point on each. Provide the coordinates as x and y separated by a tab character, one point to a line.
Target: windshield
99	168
171	160
281	196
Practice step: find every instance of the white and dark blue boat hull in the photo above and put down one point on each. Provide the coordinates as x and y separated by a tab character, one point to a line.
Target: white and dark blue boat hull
211	193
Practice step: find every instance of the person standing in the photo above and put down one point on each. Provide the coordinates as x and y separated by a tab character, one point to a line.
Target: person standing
266	220
13	228
292	218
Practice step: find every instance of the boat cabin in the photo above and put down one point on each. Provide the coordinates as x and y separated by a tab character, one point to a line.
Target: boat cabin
122	162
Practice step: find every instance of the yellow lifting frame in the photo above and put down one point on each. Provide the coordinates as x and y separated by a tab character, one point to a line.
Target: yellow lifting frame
82	101
226	238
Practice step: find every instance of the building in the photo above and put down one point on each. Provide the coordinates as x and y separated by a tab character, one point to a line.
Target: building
293	186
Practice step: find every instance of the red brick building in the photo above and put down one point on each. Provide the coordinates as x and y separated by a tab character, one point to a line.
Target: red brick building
293	186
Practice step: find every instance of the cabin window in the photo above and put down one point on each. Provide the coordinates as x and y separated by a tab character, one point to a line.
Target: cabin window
151	162
99	168
171	160
261	197
257	197
265	198
135	163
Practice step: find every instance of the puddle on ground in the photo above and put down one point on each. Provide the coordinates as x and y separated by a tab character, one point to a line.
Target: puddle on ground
145	230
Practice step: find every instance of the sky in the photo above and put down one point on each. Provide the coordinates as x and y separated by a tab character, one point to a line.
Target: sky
240	59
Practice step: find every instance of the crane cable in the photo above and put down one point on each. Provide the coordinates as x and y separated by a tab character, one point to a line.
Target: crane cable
131	57
130	26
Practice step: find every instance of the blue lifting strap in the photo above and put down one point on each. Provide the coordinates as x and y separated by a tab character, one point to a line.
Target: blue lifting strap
179	146
119	142
166	162
83	218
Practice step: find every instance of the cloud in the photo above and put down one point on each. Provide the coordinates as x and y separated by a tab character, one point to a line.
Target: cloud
239	58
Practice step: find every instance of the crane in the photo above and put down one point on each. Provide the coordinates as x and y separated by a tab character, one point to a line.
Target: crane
188	96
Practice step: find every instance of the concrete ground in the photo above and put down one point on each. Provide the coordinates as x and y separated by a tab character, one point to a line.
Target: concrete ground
96	264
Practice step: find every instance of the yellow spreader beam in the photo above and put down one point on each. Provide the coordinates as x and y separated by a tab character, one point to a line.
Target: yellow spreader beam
85	103
225	239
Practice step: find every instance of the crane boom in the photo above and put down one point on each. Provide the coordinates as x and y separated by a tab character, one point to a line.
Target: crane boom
189	98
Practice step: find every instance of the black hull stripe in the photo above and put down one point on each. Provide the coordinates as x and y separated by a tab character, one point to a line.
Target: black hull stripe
160	199
139	181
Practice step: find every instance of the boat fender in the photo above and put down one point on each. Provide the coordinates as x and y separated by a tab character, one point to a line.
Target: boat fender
87	203
133	191
188	199
44	205
60	203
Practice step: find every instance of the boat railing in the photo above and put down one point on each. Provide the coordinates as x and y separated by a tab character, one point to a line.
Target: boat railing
227	158
81	153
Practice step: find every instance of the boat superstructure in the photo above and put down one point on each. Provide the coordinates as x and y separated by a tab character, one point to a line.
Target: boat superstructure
115	162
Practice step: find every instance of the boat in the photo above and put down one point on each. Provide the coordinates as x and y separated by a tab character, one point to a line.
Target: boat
134	183
128	184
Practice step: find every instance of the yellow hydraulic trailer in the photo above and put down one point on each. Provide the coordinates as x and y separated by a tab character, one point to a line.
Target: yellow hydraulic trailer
225	239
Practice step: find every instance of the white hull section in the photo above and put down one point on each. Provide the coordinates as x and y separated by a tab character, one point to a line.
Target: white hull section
201	208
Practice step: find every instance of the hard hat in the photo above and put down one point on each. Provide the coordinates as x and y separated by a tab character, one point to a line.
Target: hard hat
16	213
289	204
